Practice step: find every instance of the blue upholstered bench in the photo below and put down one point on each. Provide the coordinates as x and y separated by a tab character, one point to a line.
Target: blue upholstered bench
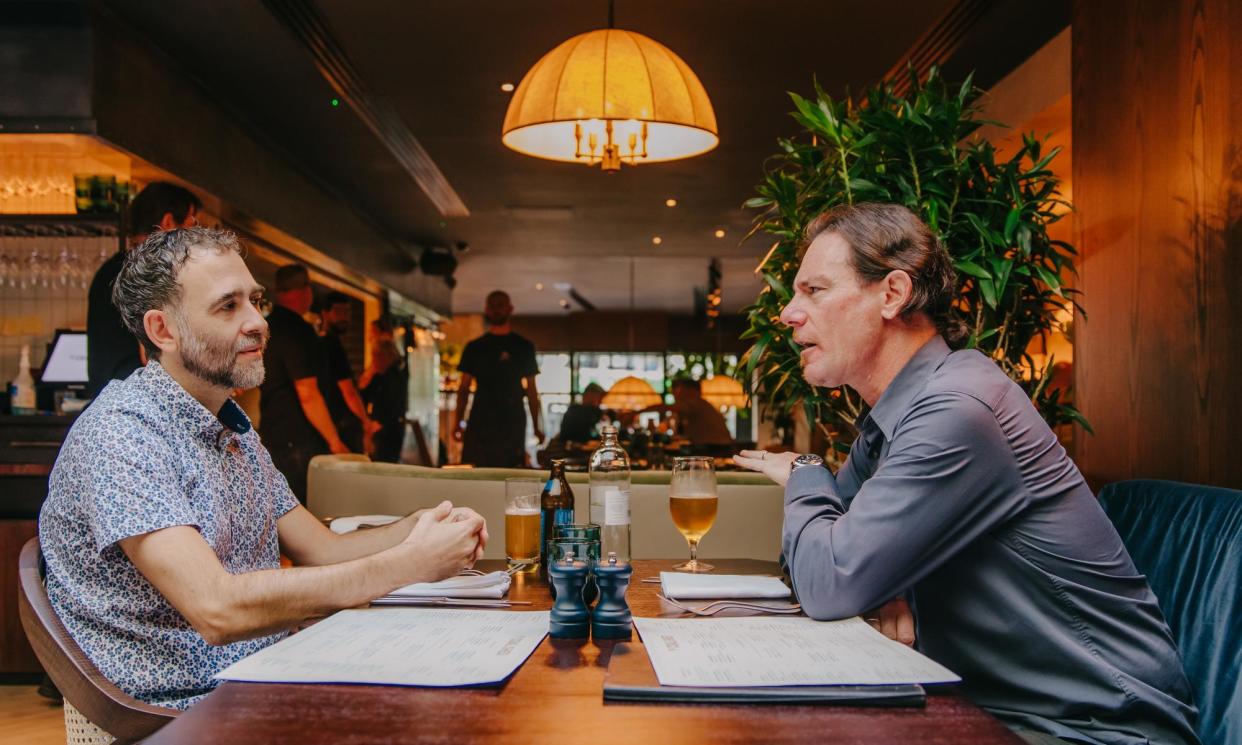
1187	539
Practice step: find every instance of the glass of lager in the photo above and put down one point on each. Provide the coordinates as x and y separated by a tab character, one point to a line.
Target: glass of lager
522	522
692	501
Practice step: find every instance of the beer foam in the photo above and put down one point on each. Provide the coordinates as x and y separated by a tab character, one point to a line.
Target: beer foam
694	496
522	511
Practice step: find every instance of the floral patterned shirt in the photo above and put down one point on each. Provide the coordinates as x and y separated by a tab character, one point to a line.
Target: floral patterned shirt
147	455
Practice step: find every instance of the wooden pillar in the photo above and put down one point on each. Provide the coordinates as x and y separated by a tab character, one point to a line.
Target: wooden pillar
1157	132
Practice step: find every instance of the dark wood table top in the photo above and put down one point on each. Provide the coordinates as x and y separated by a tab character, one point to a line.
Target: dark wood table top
557	697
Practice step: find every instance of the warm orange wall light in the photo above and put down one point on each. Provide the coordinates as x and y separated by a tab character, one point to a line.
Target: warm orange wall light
609	97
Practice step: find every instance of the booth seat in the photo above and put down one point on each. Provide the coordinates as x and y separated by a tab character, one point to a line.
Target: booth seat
1187	540
748	524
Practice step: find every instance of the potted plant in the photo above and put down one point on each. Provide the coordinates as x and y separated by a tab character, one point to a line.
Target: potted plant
991	213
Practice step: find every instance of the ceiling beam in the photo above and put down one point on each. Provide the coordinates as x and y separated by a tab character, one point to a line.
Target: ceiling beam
303	20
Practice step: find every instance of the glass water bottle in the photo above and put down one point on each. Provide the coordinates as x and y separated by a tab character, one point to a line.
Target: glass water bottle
610	495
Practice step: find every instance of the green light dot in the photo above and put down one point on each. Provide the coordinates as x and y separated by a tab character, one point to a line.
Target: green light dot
336	102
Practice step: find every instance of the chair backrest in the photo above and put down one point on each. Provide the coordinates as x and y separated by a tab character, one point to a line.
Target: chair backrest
108	707
1187	539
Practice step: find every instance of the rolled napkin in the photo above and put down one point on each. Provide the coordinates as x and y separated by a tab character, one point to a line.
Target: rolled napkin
493	585
350	524
685	586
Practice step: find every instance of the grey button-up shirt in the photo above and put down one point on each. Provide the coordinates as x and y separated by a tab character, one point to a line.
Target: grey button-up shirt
958	494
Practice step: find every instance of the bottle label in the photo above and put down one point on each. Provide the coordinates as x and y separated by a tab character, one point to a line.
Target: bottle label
616	503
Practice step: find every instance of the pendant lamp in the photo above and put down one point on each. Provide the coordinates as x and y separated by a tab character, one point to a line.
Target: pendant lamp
609	97
722	391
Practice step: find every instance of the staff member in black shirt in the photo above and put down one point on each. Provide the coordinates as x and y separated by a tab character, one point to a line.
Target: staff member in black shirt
503	363
385	386
112	352
337	384
293	417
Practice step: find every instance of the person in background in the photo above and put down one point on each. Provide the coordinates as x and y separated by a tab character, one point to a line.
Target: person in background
385	389
957	513
295	420
336	381
504	366
697	420
112	352
165	519
578	424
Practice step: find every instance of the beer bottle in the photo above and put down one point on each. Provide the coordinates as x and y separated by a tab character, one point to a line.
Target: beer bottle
556	507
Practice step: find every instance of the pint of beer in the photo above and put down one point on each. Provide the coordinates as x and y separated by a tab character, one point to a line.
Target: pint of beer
522	535
522	522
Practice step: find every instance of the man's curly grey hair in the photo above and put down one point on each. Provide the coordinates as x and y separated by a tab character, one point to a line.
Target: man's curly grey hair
148	278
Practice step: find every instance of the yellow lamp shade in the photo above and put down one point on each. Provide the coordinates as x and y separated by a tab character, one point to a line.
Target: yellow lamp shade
722	391
610	88
630	394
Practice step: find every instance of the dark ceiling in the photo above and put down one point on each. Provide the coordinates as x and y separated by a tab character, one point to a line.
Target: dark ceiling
441	64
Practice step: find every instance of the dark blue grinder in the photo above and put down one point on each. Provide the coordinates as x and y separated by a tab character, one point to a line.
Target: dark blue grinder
611	618
569	617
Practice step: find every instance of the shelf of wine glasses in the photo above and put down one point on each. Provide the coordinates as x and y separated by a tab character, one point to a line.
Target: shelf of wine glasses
66	225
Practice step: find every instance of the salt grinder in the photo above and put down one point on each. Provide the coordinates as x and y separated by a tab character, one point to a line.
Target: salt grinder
611	618
570	618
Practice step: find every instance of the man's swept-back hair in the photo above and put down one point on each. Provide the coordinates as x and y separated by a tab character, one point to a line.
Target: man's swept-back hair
887	237
160	198
148	278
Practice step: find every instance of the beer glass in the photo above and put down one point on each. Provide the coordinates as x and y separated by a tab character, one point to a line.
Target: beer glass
522	522
692	502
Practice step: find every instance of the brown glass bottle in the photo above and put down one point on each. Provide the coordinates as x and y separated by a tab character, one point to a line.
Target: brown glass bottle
556	507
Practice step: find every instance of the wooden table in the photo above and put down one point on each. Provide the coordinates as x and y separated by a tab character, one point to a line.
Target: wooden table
557	697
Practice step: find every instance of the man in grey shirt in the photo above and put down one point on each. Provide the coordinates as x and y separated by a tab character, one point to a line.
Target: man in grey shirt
957	510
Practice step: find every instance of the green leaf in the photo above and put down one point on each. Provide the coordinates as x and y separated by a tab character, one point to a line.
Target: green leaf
1049	279
754	202
1011	224
988	288
971	268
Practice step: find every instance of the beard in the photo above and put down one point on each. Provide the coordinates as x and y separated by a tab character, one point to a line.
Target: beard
216	362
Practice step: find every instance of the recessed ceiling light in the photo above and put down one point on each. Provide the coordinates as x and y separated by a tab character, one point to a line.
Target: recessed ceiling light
720	233
657	240
564	303
506	87
562	286
538	285
670	202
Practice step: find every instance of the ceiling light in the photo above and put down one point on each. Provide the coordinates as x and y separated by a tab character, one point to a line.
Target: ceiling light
720	233
657	240
538	285
631	394
564	303
562	286
670	202
610	96
506	87
722	391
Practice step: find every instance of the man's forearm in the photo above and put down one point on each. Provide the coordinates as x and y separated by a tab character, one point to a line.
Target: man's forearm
317	414
361	543
459	412
353	400
256	604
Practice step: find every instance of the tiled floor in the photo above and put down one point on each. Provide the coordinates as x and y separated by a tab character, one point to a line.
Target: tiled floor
28	718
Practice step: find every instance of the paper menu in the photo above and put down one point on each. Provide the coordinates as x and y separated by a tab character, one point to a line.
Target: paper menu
400	646
724	652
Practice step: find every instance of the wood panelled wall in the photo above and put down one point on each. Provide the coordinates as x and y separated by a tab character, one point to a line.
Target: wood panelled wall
1157	132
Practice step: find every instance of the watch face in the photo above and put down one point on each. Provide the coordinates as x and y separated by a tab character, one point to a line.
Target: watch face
808	460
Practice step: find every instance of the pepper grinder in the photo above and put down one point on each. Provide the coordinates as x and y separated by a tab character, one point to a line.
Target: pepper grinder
611	618
570	618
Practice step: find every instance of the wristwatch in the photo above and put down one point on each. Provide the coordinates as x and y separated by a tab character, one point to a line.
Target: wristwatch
803	461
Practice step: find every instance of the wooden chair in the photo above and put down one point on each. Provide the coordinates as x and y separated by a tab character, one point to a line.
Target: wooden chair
83	686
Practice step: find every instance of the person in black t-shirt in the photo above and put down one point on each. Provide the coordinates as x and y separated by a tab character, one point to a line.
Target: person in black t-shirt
503	365
293	417
385	386
112	352
336	383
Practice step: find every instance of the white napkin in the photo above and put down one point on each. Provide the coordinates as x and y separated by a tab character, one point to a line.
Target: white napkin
685	586
350	524
493	585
